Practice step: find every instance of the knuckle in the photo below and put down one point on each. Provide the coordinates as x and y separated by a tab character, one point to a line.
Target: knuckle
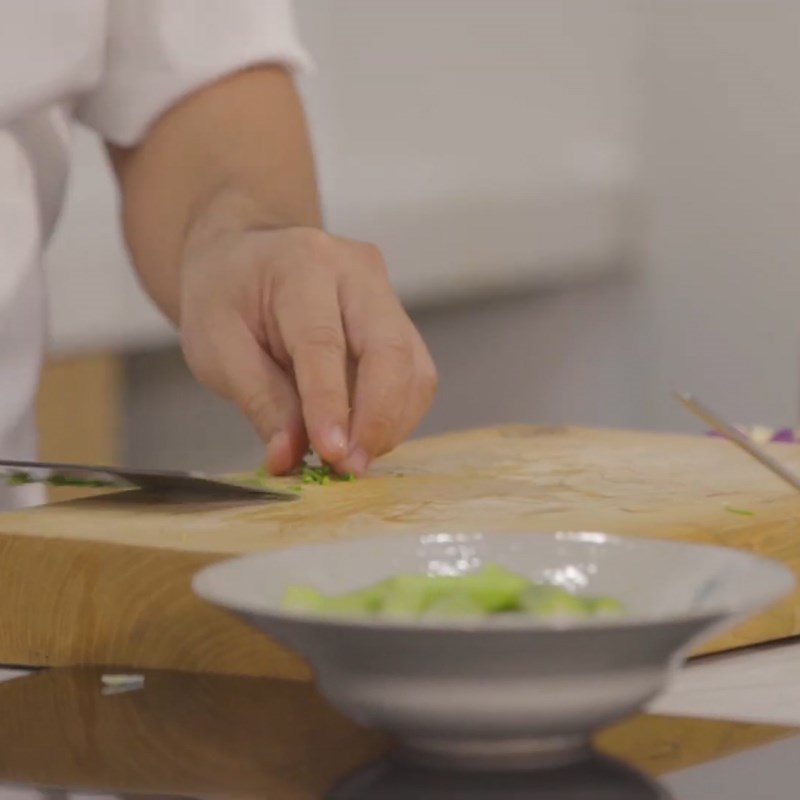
313	243
326	339
398	349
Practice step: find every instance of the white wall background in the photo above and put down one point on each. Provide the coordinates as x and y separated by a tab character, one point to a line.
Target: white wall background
482	144
722	197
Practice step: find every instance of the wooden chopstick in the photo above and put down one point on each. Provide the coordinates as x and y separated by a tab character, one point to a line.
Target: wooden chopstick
738	438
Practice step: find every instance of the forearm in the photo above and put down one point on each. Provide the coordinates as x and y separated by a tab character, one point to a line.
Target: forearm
232	156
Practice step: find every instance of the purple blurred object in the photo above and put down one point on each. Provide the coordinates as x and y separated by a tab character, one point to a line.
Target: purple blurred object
786	435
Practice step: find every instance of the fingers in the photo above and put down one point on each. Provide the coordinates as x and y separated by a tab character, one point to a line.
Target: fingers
395	380
394	388
228	359
422	394
305	306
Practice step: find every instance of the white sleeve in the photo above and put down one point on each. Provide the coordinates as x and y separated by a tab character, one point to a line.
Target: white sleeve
161	50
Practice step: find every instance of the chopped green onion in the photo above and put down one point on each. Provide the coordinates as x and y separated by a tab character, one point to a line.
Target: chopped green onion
320	475
743	512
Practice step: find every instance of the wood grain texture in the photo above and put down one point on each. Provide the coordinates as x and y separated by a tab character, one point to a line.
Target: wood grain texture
106	580
659	745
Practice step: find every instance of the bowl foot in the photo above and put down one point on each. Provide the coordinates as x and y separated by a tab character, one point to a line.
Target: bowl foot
495	754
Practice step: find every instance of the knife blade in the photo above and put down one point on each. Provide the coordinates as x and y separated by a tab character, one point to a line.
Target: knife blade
160	482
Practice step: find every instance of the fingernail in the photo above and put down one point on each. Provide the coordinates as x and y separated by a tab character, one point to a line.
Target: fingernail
357	462
336	440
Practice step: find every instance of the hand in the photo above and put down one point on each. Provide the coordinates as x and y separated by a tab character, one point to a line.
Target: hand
303	331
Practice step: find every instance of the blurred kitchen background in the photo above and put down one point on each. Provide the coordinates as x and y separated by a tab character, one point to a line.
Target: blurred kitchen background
584	203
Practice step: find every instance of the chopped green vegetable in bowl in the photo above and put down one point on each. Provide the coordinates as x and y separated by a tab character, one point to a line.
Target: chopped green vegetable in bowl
490	590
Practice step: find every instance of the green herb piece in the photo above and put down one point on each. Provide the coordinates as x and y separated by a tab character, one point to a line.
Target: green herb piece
59	479
261	479
316	474
743	512
322	474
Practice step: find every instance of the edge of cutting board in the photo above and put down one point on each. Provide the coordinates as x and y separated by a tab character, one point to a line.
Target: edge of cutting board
76	587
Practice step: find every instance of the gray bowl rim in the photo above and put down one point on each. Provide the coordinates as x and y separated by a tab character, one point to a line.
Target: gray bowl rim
782	583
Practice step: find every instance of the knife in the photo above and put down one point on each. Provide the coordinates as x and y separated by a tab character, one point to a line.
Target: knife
191	485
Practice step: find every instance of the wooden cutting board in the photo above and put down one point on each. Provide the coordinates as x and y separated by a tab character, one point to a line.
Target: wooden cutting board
106	580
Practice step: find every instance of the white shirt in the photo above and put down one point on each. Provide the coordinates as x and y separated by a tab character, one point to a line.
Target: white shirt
115	65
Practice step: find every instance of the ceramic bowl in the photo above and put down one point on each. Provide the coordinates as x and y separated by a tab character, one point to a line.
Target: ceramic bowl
508	690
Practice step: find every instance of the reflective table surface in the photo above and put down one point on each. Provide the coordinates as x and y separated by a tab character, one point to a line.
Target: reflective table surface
64	734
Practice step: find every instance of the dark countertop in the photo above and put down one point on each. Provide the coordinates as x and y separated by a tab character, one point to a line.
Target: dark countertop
189	735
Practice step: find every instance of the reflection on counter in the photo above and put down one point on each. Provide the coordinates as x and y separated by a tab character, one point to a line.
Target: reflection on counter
211	736
596	778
